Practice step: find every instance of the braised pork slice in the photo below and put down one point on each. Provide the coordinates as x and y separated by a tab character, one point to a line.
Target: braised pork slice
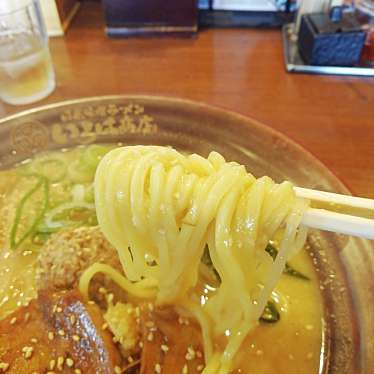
171	344
57	332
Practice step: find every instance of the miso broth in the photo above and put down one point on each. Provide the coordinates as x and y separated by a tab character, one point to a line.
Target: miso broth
54	192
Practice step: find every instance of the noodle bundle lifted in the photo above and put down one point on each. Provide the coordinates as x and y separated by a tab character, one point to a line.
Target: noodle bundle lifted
165	212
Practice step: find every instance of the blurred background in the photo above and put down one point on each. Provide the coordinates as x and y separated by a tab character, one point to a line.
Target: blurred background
302	67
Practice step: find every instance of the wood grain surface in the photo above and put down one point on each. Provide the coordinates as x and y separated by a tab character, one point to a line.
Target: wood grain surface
241	70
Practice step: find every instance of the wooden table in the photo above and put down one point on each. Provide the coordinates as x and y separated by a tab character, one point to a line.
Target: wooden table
242	70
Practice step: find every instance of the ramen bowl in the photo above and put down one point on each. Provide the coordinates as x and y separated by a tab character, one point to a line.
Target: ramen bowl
344	265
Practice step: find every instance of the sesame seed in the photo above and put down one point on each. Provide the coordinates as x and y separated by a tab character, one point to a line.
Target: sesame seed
117	370
77	371
76	338
190	355
4	366
58	309
13	320
199	354
104	326
259	352
27	316
69	362
200	368
27	351
150	336
164	348
72	319
158	368
102	290
150	306
61	332
50	372
34	340
185	369
90	302
54	308
130	360
183	321
60	362
141	344
309	327
52	364
137	312
110	298
51	335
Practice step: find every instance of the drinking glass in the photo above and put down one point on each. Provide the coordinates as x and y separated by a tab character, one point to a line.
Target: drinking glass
26	71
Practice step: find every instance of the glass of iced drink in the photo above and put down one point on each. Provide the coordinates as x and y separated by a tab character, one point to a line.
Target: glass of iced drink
26	71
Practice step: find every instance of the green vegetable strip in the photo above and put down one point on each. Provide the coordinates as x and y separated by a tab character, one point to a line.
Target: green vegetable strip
63	212
92	155
41	183
80	173
53	168
288	270
270	314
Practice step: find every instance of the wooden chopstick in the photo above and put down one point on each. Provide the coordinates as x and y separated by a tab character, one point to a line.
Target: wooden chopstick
324	219
334	198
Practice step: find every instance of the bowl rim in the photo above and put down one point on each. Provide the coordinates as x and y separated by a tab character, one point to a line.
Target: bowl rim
245	122
338	183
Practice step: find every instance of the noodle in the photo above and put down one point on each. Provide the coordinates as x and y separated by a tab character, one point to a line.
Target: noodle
160	209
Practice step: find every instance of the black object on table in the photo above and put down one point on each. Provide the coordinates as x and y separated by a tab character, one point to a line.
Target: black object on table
150	17
322	41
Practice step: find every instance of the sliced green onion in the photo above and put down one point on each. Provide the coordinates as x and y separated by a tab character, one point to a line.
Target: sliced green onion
80	173
42	182
52	168
92	155
83	169
51	222
288	270
207	261
270	313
